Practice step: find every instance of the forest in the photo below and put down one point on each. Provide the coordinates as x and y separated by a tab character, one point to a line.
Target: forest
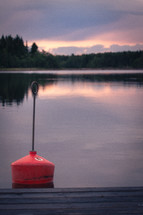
14	53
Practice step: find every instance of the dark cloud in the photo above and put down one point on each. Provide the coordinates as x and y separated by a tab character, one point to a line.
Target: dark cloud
54	18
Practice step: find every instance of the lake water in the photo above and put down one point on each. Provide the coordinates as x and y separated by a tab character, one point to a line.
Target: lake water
88	123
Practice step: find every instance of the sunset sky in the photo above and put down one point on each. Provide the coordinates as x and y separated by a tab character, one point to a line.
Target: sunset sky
75	26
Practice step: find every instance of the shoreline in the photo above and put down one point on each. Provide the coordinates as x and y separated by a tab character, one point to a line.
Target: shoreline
63	69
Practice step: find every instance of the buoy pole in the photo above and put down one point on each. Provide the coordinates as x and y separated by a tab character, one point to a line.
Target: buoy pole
33	127
34	88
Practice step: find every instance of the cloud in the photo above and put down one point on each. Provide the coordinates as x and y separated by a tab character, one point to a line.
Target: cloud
95	49
78	50
102	21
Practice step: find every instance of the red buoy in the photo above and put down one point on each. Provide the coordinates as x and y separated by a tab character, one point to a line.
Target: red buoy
32	170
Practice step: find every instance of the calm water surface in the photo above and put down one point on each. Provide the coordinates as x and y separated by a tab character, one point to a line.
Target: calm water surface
89	125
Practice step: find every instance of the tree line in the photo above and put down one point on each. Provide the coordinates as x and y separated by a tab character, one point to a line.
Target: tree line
15	54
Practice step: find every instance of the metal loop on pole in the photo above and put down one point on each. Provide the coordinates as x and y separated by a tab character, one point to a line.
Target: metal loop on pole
34	88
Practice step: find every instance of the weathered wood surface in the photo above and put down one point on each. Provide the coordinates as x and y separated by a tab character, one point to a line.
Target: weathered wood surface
68	201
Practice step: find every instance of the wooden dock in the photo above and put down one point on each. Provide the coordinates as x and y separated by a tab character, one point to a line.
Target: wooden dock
68	201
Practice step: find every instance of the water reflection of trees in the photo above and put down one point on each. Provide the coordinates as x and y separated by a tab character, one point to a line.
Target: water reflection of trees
135	78
14	87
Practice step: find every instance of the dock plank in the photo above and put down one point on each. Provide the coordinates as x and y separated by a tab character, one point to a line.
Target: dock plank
77	201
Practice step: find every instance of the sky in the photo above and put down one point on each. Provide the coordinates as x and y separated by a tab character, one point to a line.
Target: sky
75	26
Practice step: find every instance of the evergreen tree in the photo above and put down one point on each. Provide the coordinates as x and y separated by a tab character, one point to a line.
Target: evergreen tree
34	49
